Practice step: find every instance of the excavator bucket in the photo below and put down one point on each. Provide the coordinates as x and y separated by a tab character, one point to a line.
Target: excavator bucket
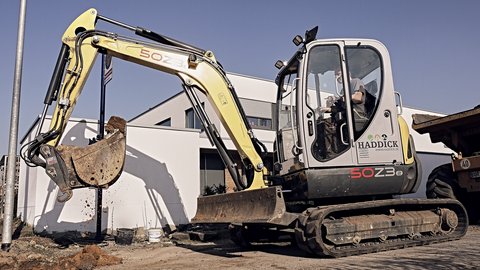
265	205
96	165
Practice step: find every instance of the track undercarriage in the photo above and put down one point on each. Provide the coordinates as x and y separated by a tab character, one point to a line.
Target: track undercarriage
367	227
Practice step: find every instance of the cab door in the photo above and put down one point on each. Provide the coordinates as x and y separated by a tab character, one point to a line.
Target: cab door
376	133
325	107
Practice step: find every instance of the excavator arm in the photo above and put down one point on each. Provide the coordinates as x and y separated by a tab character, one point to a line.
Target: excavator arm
101	163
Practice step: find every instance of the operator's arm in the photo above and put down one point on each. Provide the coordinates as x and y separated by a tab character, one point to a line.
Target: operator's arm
358	90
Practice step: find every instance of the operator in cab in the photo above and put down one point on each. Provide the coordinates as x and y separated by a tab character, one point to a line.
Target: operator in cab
358	99
332	144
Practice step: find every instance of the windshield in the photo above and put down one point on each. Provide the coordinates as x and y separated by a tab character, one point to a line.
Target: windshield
322	82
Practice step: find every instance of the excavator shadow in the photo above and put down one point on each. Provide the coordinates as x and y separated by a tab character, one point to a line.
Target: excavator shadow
228	249
217	242
152	178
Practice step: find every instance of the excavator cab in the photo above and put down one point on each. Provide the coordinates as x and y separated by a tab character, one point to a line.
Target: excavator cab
338	127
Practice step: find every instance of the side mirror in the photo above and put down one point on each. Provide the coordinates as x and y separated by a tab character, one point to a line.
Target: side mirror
297	40
311	35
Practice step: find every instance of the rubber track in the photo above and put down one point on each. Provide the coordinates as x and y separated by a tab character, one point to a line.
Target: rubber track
308	232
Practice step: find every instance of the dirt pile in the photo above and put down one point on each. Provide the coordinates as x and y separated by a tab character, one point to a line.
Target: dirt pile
78	250
90	257
30	251
36	256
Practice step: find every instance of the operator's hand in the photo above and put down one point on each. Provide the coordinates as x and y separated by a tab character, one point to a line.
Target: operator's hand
326	109
320	111
357	97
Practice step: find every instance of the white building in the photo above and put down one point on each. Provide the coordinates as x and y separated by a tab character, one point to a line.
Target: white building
169	162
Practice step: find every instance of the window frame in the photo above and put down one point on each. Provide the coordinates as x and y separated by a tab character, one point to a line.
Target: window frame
257	125
162	123
197	124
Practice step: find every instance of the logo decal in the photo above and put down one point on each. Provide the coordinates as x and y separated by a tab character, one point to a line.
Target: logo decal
465	163
369	172
377	141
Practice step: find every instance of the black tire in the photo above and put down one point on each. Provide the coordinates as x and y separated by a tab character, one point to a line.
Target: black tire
442	183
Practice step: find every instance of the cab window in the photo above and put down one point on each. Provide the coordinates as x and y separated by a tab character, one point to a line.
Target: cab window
365	73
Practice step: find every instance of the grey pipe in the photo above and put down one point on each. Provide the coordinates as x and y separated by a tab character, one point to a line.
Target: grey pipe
12	146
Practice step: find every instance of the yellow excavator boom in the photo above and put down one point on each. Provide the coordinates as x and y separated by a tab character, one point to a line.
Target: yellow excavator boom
196	68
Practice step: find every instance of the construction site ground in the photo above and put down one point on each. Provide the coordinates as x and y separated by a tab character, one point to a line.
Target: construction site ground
179	251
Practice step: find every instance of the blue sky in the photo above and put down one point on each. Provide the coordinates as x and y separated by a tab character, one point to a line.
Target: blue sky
433	47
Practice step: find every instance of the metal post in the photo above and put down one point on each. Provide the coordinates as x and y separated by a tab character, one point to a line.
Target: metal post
12	146
100	136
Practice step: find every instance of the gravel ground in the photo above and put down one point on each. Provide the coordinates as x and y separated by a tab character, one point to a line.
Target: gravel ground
460	254
29	251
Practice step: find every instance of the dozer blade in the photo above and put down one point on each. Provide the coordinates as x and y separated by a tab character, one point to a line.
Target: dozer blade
96	165
264	205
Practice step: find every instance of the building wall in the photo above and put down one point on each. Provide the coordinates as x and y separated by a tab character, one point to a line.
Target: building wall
254	88
174	108
159	184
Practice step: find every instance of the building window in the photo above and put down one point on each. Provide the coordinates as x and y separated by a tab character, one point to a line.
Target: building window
212	173
165	123
260	123
191	119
